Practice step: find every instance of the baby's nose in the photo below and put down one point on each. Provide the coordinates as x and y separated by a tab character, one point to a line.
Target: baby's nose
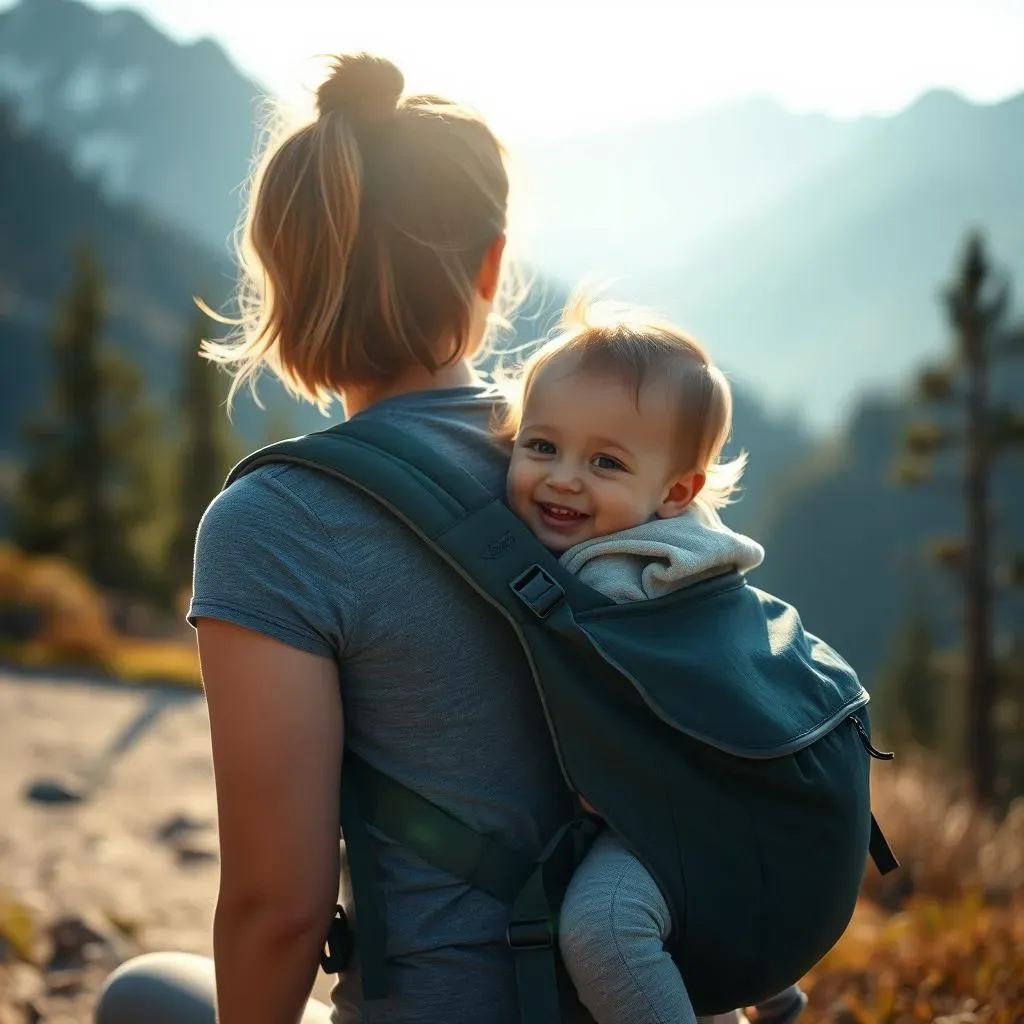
563	478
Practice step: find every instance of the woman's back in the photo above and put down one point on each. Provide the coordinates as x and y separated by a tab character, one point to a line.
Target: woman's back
372	263
435	689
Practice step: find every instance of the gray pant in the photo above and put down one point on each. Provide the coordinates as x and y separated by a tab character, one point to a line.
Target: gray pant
614	924
171	988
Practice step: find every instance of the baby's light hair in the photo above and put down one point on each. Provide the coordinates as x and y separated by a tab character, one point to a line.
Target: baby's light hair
610	338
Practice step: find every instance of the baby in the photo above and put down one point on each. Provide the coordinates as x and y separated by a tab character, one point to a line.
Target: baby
618	426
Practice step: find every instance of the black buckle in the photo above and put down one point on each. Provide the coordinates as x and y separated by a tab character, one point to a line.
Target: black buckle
527	935
339	944
538	591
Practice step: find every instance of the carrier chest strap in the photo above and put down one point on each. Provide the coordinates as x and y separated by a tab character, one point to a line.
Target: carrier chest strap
436	836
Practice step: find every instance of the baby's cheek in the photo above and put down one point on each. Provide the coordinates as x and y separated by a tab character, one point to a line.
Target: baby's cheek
516	487
628	510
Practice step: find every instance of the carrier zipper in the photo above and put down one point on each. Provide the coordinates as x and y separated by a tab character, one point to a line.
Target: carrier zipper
880	755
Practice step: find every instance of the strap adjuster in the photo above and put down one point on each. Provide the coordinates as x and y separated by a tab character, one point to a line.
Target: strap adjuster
527	935
538	591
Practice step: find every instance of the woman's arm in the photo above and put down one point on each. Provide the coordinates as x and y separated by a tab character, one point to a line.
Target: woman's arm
276	726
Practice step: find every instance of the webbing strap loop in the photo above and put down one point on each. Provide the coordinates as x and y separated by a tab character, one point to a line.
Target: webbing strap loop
533	924
369	900
880	850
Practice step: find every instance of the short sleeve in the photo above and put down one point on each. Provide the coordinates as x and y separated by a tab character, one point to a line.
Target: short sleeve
261	562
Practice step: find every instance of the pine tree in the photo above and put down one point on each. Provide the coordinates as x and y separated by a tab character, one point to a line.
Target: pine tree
134	452
84	490
977	304
59	507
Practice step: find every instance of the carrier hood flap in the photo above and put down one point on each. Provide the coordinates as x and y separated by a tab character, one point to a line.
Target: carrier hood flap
729	665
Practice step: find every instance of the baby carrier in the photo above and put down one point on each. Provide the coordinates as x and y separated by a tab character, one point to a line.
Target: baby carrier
725	746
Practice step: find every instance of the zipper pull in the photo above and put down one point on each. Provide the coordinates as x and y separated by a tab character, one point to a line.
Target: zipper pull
880	755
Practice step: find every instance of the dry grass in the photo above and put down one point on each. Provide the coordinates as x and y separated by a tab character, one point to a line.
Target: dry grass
162	661
946	845
941	940
958	960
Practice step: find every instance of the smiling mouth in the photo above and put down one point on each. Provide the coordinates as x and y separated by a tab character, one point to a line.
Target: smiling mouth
560	515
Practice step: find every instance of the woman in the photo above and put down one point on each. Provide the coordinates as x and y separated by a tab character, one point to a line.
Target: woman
375	239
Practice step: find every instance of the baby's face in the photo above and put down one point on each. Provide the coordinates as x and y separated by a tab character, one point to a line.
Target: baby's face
590	460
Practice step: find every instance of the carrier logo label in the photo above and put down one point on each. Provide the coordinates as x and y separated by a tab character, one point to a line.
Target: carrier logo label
502	546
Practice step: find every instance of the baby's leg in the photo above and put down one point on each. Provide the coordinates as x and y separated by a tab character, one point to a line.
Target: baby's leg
614	924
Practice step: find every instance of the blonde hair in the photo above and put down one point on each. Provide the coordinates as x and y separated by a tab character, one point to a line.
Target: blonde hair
364	235
603	337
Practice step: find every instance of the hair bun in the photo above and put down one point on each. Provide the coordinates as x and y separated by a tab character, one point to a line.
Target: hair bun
361	86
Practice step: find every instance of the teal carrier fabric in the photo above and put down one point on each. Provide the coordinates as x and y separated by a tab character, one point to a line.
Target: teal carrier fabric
727	748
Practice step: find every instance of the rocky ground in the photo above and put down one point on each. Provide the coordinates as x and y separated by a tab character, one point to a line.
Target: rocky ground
107	837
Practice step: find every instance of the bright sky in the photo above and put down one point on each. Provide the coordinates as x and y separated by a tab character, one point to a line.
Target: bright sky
546	67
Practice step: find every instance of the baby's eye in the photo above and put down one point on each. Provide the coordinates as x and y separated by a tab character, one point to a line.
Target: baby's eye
540	446
607	462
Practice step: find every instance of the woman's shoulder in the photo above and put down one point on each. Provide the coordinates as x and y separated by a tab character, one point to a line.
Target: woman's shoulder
260	559
270	495
274	513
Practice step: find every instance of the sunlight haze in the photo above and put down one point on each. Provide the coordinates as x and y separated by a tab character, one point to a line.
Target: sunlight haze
561	67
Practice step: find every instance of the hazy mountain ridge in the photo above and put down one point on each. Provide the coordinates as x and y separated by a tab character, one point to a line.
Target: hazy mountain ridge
152	270
169	125
671	183
842	278
805	250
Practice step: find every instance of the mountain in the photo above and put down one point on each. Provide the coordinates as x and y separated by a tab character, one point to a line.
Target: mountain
805	250
835	287
170	126
152	271
630	200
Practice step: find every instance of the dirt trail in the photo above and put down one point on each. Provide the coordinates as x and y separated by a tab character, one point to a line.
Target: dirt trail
138	851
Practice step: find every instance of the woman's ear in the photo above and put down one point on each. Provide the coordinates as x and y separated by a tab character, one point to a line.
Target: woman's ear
680	494
489	277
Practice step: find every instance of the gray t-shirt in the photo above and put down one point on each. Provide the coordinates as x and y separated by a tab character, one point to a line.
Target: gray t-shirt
436	691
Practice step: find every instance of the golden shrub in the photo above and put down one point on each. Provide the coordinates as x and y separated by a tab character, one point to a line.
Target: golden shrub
73	624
